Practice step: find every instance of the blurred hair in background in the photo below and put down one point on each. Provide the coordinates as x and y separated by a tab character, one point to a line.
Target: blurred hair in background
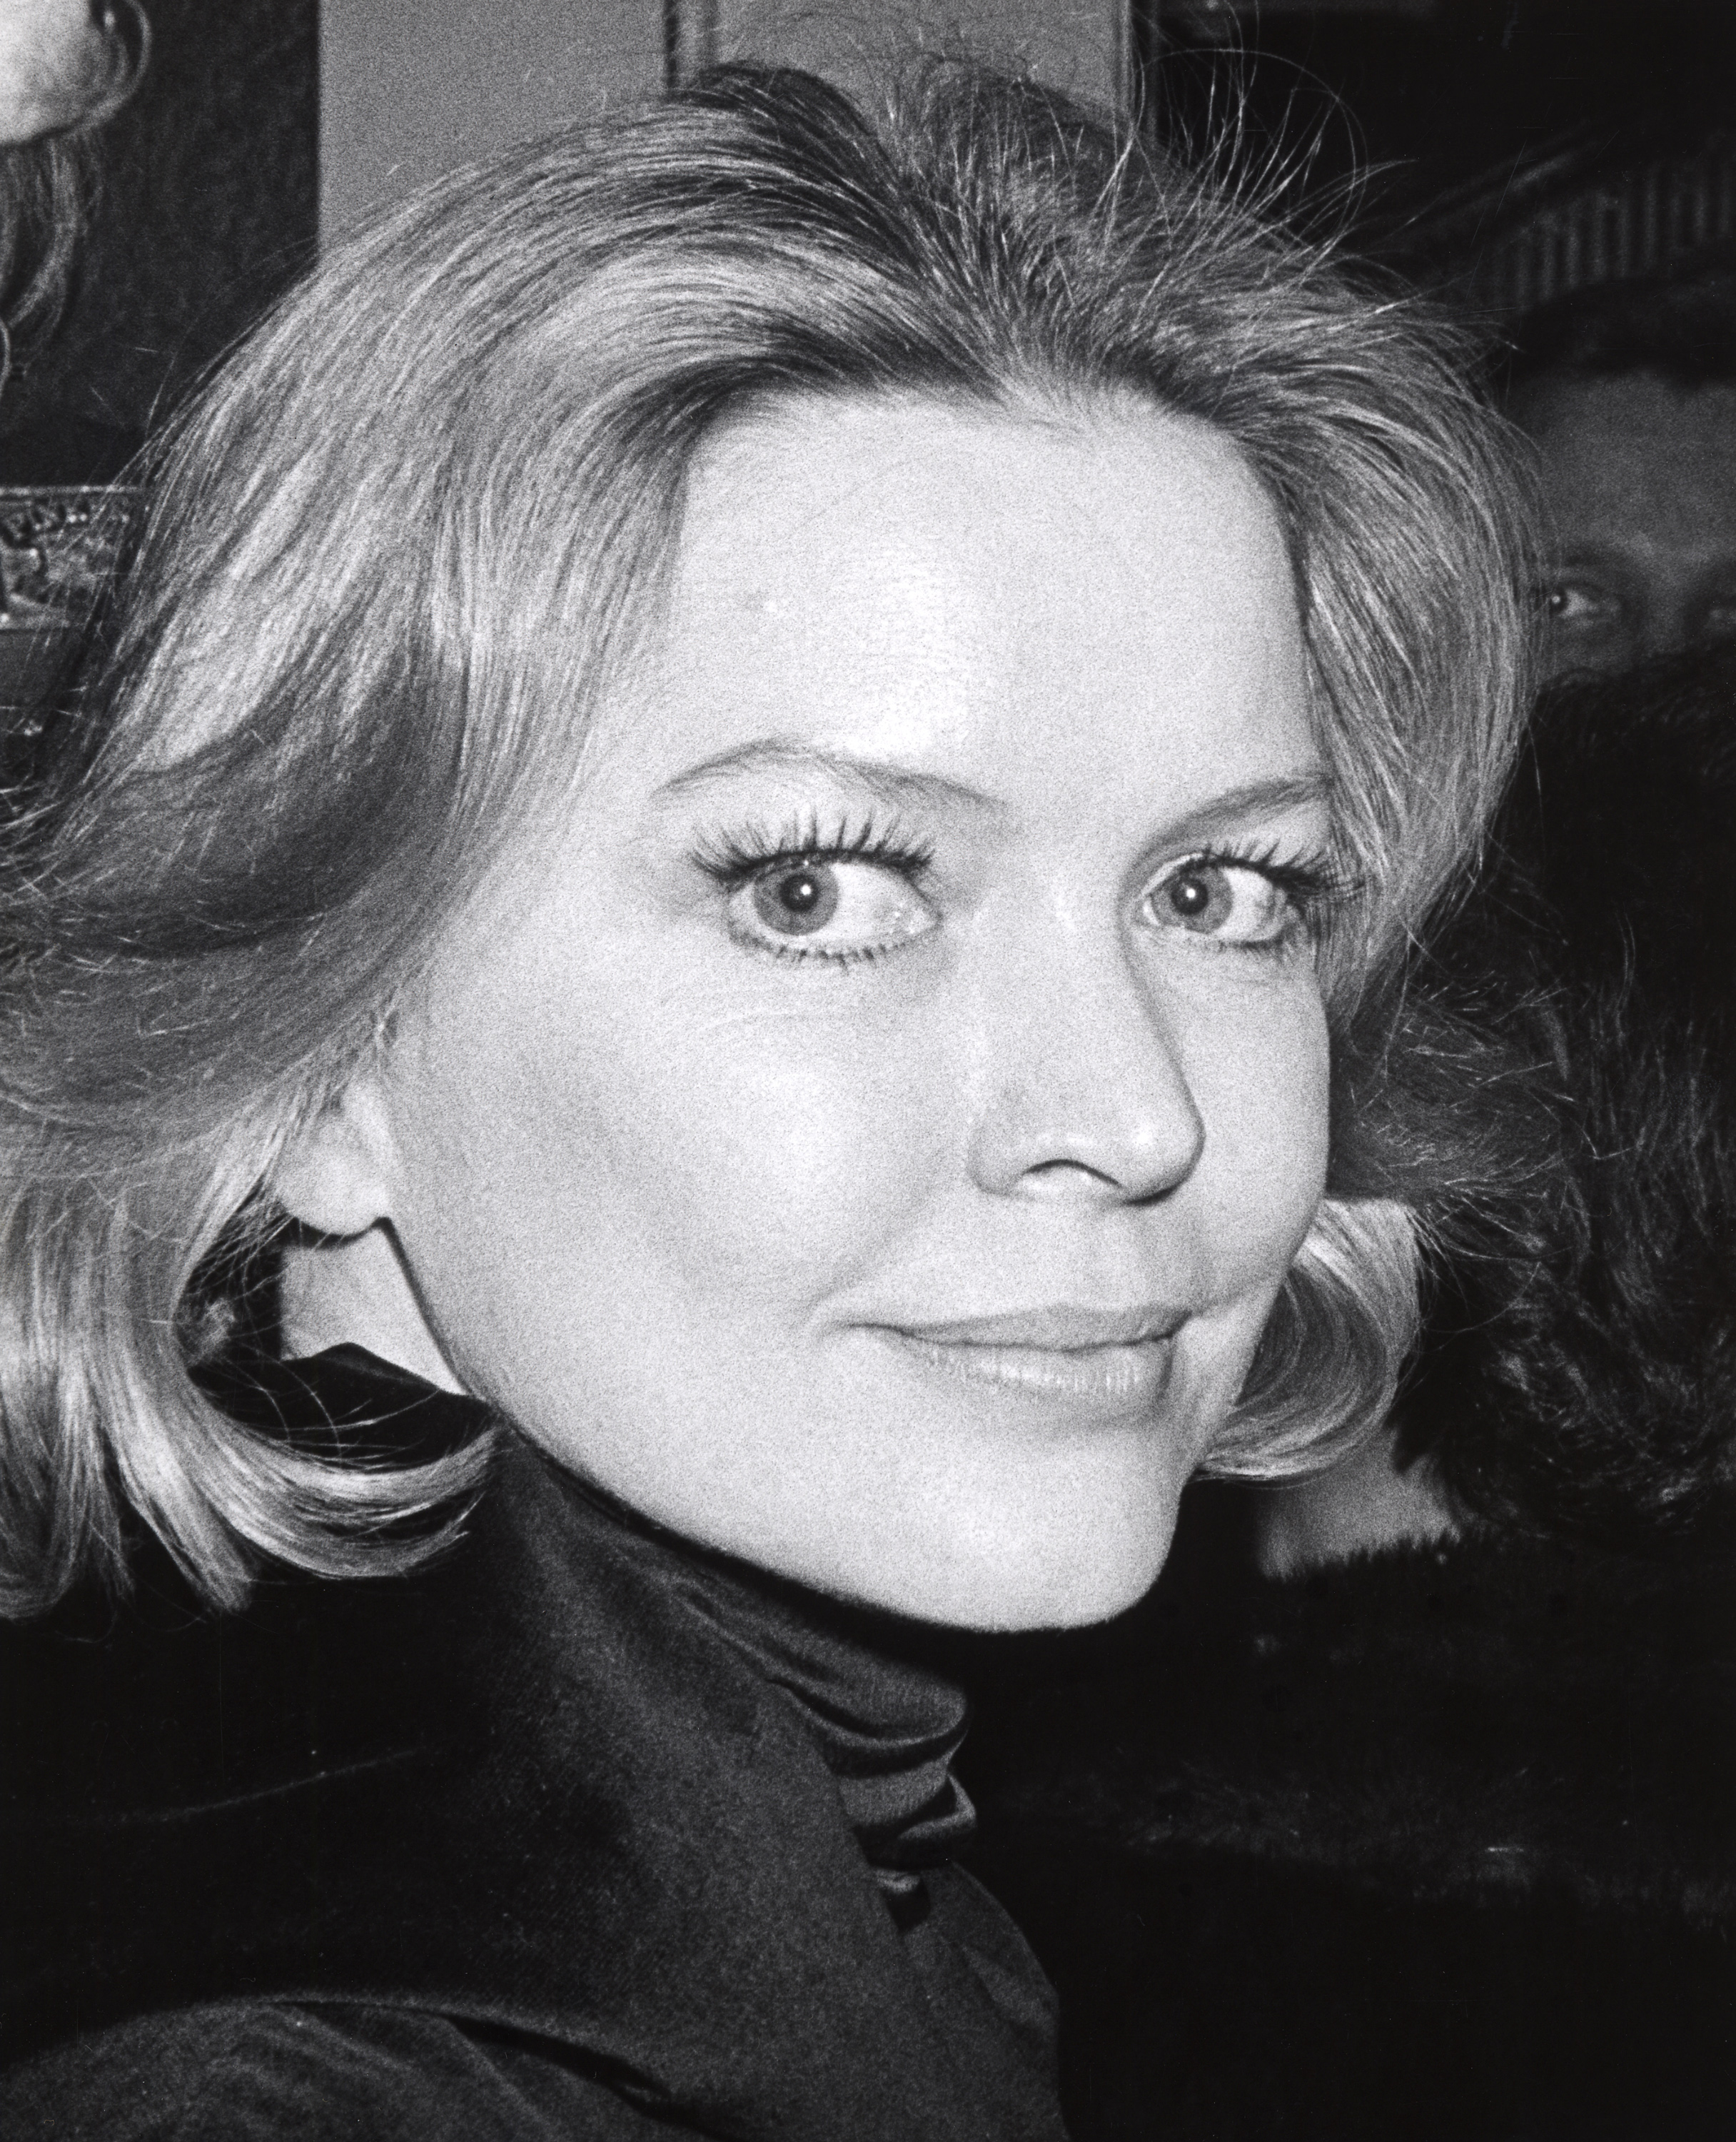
1577	1377
1580	1377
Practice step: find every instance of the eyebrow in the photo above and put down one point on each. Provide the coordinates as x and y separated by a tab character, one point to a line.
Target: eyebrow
893	783
882	778
1273	798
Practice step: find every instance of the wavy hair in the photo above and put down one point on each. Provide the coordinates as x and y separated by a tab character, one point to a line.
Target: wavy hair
394	551
1577	1379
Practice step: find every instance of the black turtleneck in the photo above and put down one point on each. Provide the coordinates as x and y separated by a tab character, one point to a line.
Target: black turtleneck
579	1831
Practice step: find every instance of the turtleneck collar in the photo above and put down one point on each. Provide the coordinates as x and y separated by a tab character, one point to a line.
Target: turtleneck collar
886	1725
572	1780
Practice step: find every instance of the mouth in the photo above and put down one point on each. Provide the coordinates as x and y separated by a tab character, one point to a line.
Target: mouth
1119	1360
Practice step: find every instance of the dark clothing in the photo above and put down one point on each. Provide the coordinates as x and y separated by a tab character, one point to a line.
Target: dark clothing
578	1832
1439	1846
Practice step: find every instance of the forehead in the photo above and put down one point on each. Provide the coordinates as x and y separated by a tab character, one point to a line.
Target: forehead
1636	458
930	583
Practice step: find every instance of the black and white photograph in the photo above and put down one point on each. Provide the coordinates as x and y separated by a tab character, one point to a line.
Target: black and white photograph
867	1093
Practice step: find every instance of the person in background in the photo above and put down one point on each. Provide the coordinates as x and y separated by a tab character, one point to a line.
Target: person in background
67	66
1408	1807
1628	391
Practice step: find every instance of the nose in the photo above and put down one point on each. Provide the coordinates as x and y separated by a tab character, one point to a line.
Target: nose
1083	1096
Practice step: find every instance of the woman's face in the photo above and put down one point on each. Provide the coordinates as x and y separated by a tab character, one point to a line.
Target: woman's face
871	1141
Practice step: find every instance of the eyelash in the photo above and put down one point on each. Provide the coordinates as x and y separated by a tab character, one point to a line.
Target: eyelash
732	860
1311	882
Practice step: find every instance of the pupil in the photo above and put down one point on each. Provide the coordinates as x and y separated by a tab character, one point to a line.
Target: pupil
796	901
1189	896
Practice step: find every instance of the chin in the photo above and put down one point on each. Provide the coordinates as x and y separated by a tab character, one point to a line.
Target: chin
1076	1599
1068	1576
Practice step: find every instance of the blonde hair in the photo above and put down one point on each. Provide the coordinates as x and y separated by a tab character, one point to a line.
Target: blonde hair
391	554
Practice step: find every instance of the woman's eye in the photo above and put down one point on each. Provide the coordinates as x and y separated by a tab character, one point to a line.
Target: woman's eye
1231	903
838	907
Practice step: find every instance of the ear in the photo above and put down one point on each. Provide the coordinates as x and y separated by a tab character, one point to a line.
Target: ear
335	1175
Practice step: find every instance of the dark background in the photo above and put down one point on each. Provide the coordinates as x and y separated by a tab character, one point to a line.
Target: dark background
1438	99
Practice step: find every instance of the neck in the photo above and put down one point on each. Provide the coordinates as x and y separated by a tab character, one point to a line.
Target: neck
355	1291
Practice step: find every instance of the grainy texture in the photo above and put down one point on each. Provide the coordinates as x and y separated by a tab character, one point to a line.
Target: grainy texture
1439	1844
208	204
579	1833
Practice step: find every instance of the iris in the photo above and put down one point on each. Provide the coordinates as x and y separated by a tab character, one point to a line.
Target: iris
796	901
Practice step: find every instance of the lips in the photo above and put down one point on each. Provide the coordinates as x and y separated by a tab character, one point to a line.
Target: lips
1061	1327
1114	1360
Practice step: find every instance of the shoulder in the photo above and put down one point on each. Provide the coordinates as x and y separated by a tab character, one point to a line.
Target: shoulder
259	2072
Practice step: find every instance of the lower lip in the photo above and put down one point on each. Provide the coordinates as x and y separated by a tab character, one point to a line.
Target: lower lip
1125	1379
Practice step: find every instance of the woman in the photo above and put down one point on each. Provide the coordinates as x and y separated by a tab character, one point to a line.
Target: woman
751	760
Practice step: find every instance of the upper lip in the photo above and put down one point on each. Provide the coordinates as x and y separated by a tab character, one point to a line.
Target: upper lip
1060	1326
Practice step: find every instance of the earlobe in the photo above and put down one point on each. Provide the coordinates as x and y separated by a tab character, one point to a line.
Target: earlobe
335	1174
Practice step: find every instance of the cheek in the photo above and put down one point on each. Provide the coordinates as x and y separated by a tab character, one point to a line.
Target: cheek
1263	1090
775	1157
662	1133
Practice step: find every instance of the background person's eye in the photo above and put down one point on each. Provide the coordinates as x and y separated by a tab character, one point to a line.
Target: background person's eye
838	907
1579	605
1231	903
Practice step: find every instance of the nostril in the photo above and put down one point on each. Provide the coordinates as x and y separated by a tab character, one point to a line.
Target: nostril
1080	1178
1062	1170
